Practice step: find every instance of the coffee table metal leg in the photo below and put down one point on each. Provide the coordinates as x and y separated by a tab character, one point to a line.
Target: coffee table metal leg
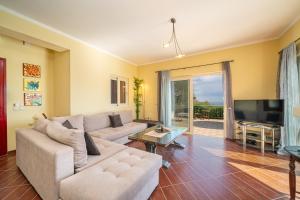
178	144
166	164
151	147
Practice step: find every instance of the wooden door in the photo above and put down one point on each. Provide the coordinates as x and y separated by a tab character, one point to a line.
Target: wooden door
3	126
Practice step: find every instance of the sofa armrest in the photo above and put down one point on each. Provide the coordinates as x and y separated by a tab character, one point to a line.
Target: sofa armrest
43	161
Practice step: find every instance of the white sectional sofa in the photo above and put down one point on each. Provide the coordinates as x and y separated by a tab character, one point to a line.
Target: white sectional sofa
105	131
119	173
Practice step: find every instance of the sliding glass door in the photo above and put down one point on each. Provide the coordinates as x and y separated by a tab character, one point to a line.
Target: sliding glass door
181	103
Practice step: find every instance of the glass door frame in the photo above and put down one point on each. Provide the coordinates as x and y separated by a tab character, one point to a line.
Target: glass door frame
190	106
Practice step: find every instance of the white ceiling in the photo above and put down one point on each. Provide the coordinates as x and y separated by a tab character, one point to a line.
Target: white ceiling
136	29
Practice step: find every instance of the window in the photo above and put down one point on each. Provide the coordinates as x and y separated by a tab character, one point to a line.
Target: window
114	91
119	90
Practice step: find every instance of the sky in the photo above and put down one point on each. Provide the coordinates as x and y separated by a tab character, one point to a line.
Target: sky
209	88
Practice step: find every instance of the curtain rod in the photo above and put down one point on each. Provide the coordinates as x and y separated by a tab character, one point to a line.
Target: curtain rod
293	41
196	66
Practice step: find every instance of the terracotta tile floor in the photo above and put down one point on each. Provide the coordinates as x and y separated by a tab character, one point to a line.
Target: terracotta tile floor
208	168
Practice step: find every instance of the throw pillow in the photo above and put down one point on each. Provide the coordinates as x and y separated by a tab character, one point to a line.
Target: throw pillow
41	125
68	125
115	121
91	147
71	137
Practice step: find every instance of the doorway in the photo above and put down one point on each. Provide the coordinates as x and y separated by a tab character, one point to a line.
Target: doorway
208	105
180	103
3	125
197	104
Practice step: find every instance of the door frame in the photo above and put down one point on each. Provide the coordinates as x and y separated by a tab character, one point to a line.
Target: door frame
191	108
191	94
3	123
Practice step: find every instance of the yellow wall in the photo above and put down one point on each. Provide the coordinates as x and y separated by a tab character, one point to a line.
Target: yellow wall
16	54
61	70
90	71
253	72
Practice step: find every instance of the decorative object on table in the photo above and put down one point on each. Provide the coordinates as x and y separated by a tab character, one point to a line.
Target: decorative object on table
137	95
31	85
32	99
162	129
31	70
156	134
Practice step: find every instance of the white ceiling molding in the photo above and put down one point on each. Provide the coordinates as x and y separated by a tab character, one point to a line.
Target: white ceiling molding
289	26
134	30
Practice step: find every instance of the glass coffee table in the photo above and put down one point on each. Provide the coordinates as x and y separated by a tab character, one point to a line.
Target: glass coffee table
151	142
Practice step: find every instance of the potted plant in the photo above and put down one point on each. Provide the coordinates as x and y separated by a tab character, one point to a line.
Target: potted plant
137	95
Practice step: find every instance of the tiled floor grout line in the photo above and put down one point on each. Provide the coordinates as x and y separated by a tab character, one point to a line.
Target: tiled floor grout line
163	193
176	192
189	191
251	187
15	186
18	176
167	176
10	193
24	193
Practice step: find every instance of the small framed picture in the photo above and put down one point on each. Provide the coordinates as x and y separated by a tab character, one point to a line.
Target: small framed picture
31	70
31	85
32	99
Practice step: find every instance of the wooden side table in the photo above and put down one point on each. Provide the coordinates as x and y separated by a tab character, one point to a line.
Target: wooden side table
294	152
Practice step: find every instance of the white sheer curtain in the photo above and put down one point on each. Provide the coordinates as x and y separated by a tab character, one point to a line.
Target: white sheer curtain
164	104
228	102
289	91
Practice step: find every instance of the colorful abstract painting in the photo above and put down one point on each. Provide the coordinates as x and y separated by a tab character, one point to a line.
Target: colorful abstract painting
32	99
31	85
30	70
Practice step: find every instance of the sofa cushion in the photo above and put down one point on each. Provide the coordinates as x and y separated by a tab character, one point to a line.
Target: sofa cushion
121	176
119	132
71	137
106	148
41	125
96	121
75	120
91	147
126	116
115	121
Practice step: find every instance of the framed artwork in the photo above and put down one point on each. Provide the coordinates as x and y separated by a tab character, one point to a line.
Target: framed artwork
31	85
32	99
30	70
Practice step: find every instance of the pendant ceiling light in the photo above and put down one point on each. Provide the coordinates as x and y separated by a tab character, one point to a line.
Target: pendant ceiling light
173	40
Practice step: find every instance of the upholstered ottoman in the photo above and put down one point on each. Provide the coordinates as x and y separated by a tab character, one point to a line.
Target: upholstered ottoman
130	174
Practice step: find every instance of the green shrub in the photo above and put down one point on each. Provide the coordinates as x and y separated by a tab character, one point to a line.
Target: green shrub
210	112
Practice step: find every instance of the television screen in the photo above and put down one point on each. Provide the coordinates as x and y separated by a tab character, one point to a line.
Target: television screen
261	111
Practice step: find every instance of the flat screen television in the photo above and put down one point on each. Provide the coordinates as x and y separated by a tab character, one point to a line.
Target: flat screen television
261	111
